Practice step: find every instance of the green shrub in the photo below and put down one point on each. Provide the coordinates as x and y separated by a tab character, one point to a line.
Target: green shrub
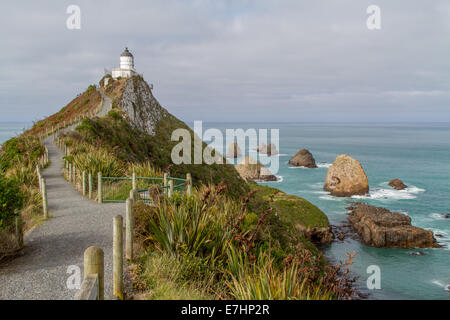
11	199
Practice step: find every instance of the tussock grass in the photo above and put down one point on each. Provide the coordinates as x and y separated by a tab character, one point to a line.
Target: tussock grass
220	246
163	276
19	193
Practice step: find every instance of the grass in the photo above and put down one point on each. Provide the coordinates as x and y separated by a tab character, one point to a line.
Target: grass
84	103
18	159
221	249
114	134
162	280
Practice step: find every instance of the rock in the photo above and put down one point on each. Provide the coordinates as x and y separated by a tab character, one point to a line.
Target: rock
418	253
397	184
379	227
303	158
234	151
143	110
270	149
346	177
341	236
317	235
249	169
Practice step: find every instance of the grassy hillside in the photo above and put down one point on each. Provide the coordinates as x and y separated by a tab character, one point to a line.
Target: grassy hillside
83	104
128	144
230	239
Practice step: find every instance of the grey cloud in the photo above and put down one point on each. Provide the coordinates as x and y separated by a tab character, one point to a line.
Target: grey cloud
242	60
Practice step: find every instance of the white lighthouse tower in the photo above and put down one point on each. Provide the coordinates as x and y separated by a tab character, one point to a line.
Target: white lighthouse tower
126	66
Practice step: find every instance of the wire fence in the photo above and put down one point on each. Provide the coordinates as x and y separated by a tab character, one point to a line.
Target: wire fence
117	189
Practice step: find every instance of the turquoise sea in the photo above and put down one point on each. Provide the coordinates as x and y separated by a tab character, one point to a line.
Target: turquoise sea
418	154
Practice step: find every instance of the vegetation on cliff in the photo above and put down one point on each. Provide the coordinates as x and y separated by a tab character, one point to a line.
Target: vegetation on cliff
230	239
19	188
223	249
82	105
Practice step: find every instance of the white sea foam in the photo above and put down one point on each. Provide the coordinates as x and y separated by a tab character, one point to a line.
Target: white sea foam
392	194
442	283
438	216
279	179
323	165
330	197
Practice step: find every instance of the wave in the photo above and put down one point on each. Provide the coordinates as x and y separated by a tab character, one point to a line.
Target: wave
441	284
392	194
438	216
279	179
331	198
319	165
323	165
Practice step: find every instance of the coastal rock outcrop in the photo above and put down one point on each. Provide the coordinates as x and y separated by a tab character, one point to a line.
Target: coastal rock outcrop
397	184
270	150
346	177
303	158
249	169
138	102
379	227
234	151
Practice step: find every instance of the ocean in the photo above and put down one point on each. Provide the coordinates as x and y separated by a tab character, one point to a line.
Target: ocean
418	154
11	129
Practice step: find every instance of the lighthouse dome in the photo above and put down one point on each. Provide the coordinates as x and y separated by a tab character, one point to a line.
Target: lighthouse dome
126	53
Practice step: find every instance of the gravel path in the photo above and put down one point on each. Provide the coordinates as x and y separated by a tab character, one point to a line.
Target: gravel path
75	224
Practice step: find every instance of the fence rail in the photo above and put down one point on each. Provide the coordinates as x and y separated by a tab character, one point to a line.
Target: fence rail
117	189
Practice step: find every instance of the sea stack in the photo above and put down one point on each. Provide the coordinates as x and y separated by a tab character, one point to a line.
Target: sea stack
379	227
249	169
303	158
346	177
234	151
270	149
397	184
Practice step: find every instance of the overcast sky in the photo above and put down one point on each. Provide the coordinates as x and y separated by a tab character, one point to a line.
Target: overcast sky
218	60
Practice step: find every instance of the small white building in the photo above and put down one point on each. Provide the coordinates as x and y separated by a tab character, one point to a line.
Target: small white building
126	66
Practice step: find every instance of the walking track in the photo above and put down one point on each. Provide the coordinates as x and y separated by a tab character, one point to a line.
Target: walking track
75	224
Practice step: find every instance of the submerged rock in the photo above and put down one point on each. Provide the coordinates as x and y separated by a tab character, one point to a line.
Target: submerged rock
303	158
397	184
234	151
346	177
379	227
250	169
417	253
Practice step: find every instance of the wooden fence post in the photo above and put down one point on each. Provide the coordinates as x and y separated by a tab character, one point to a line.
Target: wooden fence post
132	196
74	168
38	172
83	183
94	265
70	173
99	190
189	184
129	225
118	257
90	182
170	188
44	198
19	231
166	191
134	180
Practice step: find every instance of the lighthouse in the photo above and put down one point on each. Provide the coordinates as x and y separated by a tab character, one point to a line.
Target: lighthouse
126	66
